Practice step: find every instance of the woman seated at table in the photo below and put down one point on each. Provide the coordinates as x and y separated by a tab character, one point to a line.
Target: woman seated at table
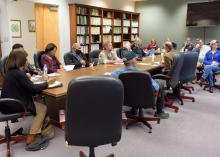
153	46
17	85
49	59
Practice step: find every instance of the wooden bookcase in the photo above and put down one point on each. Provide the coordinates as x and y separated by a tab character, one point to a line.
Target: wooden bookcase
91	26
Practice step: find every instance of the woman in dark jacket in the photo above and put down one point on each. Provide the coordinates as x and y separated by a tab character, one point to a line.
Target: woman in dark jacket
17	85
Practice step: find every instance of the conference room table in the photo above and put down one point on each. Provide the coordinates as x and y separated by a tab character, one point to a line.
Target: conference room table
55	98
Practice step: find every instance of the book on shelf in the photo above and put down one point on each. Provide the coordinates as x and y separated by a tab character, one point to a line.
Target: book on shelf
134	30
85	49
83	11
107	38
94	12
125	30
94	47
107	22
117	22
107	29
95	30
117	38
117	30
108	14
82	20
127	23
82	30
95	20
134	23
83	39
133	36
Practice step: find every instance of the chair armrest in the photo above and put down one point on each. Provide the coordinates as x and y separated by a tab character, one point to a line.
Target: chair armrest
161	77
18	102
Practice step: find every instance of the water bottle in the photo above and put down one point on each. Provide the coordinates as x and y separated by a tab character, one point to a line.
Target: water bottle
162	57
153	57
45	70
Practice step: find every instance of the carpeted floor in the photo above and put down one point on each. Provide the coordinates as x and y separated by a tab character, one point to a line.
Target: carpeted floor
193	132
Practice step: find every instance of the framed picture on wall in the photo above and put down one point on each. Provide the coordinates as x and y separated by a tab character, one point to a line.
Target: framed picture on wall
31	26
15	28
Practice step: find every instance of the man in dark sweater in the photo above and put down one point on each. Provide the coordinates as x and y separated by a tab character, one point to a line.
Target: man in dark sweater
75	57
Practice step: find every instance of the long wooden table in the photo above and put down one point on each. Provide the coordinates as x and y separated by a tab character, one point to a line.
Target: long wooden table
55	98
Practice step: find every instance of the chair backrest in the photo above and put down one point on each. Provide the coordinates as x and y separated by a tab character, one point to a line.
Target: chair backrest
3	68
118	52
93	111
94	55
65	58
176	69
188	71
138	90
37	60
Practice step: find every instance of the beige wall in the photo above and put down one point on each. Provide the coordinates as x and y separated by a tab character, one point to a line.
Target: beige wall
24	11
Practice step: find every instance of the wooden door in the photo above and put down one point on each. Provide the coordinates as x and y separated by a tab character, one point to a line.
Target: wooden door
47	29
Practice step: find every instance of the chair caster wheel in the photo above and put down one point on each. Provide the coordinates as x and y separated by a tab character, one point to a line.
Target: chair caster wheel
176	111
150	131
158	122
193	100
126	127
8	154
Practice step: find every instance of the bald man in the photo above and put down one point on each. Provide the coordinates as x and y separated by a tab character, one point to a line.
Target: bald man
75	57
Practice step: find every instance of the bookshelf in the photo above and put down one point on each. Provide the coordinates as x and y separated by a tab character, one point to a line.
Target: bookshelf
91	26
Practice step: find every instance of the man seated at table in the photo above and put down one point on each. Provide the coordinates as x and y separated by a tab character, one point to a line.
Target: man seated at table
169	54
75	57
125	49
107	55
212	64
138	49
187	46
130	65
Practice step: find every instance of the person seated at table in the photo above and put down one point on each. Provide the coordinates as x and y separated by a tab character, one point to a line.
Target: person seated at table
29	69
49	59
168	39
187	46
125	49
75	57
169	54
138	49
212	65
17	85
153	45
130	63
107	55
202	50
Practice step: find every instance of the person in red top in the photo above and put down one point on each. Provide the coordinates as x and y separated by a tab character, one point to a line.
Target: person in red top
153	45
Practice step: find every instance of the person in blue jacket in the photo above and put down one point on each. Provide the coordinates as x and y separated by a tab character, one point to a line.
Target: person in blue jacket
212	64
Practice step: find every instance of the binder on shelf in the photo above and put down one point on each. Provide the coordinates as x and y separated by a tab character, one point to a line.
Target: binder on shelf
82	30
117	38
107	38
134	23
94	47
95	30
117	30
94	12
107	29
134	30
82	20
85	49
125	30
80	10
83	40
127	23
95	20
117	22
107	22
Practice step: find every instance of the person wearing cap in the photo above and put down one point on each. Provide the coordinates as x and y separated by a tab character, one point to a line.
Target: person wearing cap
130	65
212	65
108	56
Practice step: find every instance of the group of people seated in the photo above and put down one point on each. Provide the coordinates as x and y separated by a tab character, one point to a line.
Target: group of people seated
19	71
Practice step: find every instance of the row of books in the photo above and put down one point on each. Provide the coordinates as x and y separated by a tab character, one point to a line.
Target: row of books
126	23
95	30
107	29
134	23
82	30
82	20
83	39
107	22
85	49
117	38
133	36
117	30
134	30
117	22
95	20
94	47
94	12
125	30
83	11
107	38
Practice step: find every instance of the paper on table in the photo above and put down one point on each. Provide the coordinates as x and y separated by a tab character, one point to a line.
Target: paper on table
54	74
107	73
68	67
55	84
118	63
144	64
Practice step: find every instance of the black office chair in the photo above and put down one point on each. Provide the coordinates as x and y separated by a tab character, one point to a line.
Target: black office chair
94	56
188	73
17	136
173	79
65	58
37	60
118	52
94	112
3	68
139	94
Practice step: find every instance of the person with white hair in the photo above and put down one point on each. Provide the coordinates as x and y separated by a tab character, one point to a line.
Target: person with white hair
212	65
108	56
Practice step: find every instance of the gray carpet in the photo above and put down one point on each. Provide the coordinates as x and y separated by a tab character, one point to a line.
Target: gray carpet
193	132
